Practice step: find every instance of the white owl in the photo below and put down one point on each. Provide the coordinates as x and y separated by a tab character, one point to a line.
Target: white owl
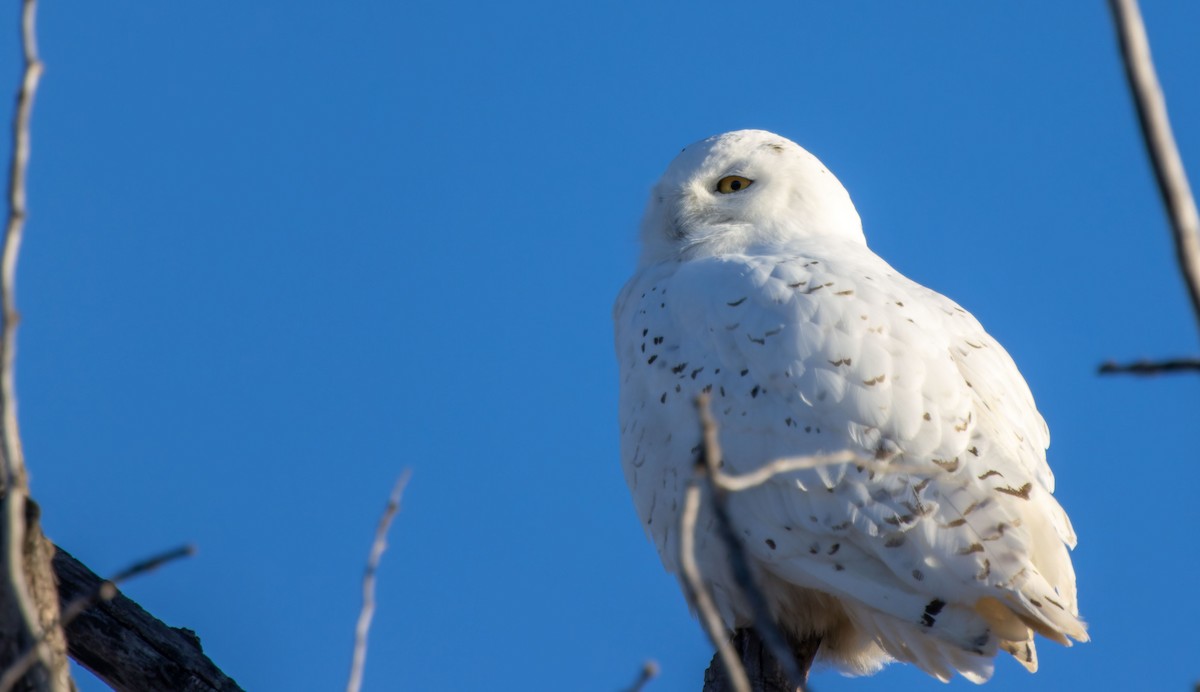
755	284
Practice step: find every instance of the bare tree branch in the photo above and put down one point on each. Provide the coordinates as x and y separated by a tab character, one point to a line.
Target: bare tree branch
698	594
648	672
1165	160
363	627
764	623
128	648
104	591
107	590
14	468
1160	143
744	481
763	671
14	480
1149	367
28	607
791	658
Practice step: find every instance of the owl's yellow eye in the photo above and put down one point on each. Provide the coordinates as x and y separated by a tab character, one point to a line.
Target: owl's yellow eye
733	183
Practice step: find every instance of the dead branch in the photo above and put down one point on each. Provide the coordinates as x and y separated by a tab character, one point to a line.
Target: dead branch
363	628
1167	164
789	671
28	607
105	591
697	593
648	672
763	671
151	563
1150	367
126	647
743	481
1160	143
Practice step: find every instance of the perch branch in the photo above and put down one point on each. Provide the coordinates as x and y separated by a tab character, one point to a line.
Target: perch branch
722	484
363	627
711	477
1166	162
709	617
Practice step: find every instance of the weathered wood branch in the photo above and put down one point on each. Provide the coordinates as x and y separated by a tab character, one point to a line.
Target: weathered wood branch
25	667
762	670
127	647
358	661
28	608
1167	165
740	665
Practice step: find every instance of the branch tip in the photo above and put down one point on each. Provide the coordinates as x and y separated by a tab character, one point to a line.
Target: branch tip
648	672
367	613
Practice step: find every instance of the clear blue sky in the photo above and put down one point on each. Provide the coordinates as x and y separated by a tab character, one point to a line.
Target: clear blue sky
279	251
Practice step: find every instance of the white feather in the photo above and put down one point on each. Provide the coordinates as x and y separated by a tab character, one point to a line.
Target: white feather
811	344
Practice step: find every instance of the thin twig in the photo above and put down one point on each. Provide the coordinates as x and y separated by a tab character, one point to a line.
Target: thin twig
104	591
152	563
764	623
1150	367
648	672
12	474
743	481
1164	154
709	617
368	607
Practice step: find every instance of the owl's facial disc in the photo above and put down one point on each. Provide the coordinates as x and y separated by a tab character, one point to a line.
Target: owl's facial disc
744	189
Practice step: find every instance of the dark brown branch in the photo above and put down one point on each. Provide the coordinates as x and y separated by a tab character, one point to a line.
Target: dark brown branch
128	648
1151	367
761	668
107	590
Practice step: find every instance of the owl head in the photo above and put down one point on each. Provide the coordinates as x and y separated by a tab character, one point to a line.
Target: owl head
744	192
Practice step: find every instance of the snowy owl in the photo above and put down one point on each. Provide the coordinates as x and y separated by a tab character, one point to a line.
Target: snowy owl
755	284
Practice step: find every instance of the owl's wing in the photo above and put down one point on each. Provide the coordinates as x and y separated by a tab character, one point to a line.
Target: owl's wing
964	540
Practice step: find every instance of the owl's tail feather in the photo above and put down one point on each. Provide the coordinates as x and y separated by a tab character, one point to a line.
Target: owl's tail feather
1024	651
1034	608
936	656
